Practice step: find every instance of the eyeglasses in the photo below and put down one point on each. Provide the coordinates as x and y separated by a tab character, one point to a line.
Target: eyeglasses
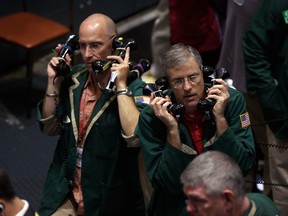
195	201
94	46
192	79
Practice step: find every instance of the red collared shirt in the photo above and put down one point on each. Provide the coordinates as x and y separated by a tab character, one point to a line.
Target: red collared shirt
194	125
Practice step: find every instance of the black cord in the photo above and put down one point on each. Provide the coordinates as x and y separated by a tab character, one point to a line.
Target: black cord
266	183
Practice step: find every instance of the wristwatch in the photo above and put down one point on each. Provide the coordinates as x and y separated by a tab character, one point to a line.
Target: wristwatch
125	91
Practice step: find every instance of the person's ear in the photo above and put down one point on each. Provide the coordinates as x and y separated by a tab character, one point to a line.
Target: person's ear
2	207
229	198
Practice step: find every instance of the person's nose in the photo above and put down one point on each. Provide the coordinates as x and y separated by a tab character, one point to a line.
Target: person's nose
88	52
187	85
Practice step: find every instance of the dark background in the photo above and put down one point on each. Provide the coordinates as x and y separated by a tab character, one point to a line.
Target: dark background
68	12
25	153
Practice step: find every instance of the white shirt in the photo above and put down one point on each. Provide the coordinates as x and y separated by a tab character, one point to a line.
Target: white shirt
23	211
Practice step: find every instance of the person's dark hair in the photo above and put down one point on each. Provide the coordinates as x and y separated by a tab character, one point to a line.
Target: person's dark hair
6	189
179	53
215	172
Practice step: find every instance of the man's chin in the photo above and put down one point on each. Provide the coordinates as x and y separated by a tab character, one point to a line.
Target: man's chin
89	67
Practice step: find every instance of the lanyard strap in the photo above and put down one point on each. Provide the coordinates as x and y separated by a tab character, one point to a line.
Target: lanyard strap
96	118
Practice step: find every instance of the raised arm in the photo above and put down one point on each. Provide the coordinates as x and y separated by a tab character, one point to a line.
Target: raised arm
52	98
128	111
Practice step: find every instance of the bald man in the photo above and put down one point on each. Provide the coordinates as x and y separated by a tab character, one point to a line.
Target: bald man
94	170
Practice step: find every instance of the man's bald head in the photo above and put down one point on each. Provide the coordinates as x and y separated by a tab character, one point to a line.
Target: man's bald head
96	34
99	21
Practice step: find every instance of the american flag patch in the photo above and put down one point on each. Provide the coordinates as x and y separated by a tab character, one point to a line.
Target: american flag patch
142	99
245	120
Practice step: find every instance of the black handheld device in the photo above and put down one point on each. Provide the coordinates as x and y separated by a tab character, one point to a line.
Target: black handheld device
119	46
69	47
161	85
137	69
210	74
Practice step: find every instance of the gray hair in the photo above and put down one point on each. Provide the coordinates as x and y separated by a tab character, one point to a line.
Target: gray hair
215	171
176	56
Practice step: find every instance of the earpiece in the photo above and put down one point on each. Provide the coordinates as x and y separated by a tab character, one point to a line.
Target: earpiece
2	207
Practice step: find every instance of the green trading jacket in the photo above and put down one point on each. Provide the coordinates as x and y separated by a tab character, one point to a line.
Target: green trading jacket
110	181
165	163
265	47
261	205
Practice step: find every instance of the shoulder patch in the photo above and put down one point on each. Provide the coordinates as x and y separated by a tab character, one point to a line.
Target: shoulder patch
245	120
142	99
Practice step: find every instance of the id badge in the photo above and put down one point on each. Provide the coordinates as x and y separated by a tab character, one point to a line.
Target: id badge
79	157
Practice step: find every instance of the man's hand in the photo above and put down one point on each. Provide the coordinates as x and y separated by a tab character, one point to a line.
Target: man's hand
121	68
160	107
219	92
52	65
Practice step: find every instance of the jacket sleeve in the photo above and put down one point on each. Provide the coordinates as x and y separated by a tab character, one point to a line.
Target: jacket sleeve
136	87
237	141
164	163
49	126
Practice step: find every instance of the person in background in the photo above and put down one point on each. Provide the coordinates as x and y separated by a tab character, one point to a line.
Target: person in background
170	142
95	167
10	203
194	23
160	38
265	46
239	16
213	184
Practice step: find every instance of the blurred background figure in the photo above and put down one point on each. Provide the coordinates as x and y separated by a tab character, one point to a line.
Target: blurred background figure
239	16
213	184
265	47
10	203
160	38
193	23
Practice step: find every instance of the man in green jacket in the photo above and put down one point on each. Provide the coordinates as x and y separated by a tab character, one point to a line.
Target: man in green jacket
265	46
95	166
213	184
169	145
